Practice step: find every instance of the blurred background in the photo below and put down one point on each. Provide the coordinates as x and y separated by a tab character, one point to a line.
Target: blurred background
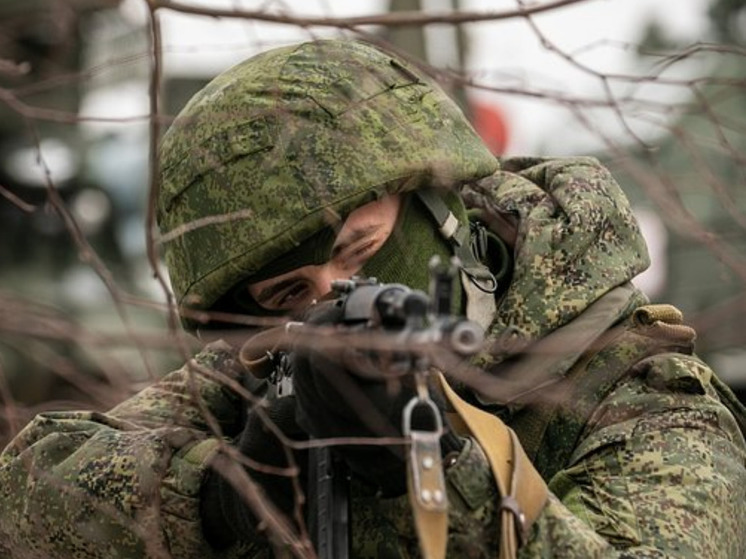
655	88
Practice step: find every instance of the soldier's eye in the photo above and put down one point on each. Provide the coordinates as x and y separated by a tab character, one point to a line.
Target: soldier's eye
292	296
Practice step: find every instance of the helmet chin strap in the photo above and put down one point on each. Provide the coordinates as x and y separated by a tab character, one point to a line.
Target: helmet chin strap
478	282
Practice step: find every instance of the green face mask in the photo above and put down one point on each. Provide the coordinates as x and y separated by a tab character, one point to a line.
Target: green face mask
405	256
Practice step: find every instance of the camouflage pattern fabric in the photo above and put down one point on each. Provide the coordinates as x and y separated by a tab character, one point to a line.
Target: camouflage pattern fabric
659	471
577	240
305	121
124	484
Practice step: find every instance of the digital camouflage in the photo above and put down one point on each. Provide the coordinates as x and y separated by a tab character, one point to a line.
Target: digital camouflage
577	238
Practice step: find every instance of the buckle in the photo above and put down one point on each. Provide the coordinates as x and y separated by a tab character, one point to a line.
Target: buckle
425	462
511	505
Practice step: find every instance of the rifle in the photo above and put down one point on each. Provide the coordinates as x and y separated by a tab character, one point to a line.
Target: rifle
407	322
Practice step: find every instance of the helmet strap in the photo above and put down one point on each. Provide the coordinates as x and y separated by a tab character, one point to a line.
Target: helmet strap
458	234
478	282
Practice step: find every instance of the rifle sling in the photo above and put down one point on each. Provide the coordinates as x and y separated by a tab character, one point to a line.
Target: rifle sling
522	490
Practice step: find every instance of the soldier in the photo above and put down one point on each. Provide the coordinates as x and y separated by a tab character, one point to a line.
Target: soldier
584	427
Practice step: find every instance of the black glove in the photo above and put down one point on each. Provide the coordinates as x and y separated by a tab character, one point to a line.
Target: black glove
338	397
225	515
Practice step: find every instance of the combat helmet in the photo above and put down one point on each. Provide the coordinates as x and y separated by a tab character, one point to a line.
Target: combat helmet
291	140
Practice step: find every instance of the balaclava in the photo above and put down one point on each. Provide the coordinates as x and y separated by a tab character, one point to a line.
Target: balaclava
405	256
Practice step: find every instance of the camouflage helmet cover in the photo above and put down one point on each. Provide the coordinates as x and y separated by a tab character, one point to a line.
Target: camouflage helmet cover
289	141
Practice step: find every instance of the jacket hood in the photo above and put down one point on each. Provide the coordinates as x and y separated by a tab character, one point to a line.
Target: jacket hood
577	240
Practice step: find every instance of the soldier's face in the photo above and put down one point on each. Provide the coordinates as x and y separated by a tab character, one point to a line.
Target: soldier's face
364	232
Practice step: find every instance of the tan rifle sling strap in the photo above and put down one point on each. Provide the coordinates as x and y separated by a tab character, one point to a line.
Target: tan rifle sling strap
523	493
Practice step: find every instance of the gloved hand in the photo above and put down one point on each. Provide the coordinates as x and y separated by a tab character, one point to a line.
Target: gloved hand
338	397
225	515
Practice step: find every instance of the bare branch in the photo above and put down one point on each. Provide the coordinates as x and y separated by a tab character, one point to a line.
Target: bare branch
398	19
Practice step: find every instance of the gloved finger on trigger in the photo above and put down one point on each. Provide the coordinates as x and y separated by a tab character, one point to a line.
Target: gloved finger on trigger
328	394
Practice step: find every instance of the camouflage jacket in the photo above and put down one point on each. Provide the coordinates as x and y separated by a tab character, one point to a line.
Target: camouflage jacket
639	442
